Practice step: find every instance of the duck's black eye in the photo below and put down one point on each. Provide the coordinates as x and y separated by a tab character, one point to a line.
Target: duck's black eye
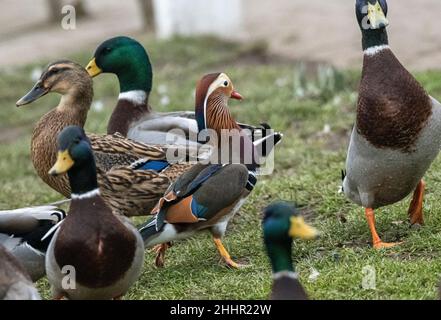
55	70
226	83
107	50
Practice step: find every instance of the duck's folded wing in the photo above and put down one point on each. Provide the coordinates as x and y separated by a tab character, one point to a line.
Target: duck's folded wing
114	150
200	194
19	221
132	192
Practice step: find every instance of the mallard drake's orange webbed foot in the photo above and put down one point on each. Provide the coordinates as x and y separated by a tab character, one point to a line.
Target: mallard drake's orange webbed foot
226	256
385	245
160	250
416	206
376	241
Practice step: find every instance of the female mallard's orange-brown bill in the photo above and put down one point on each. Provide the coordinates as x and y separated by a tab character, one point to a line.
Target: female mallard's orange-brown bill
63	164
300	229
35	93
92	69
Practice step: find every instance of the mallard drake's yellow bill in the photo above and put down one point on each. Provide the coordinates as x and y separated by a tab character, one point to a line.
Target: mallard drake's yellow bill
36	92
376	16
92	68
63	164
300	229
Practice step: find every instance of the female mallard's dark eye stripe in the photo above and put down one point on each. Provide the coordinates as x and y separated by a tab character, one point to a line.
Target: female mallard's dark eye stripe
54	71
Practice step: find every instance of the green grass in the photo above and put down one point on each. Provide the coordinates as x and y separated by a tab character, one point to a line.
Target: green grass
308	164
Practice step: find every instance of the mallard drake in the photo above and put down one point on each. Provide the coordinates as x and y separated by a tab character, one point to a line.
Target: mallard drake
22	233
105	251
15	283
133	116
132	176
397	133
282	222
189	206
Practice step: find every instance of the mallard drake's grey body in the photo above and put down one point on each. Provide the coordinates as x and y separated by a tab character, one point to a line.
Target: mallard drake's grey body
15	283
378	177
22	232
397	134
282	223
102	252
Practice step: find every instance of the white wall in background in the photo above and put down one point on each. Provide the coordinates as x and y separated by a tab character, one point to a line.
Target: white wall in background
195	17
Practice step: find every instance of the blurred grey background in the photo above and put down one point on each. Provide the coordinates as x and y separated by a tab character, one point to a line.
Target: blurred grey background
311	30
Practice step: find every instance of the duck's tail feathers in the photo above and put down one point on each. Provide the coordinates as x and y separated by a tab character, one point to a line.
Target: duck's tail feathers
150	228
265	145
343	175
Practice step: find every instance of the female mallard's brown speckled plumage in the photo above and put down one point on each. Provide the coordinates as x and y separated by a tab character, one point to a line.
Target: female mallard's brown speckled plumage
128	191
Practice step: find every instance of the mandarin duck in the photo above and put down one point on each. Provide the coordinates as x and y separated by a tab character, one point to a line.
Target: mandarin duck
208	195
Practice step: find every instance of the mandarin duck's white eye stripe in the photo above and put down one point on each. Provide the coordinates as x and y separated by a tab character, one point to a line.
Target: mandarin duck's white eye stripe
222	81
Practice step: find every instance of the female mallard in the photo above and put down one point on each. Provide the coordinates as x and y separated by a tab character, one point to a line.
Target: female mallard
104	253
22	233
281	224
127	183
189	206
15	283
133	116
397	133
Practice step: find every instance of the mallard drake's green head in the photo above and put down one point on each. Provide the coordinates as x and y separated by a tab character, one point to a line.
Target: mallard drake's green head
127	59
282	222
62	77
213	84
74	150
372	14
75	157
372	19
